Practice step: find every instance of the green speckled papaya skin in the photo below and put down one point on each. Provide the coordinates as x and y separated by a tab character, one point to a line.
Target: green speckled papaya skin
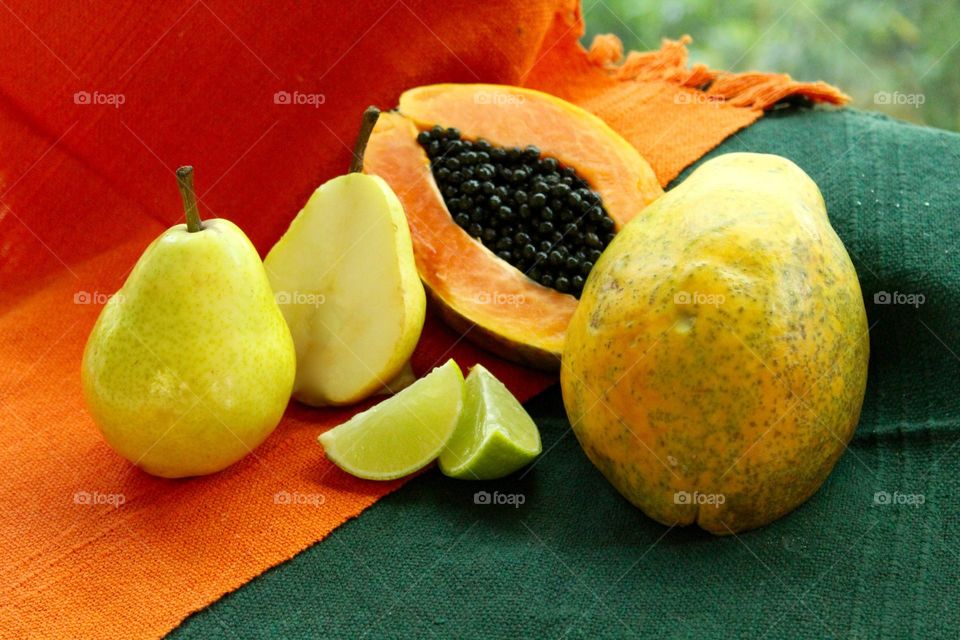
715	367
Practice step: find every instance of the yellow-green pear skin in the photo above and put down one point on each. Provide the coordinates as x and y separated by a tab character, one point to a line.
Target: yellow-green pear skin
190	366
347	283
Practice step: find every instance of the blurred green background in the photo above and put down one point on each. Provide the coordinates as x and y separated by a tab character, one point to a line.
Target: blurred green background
902	58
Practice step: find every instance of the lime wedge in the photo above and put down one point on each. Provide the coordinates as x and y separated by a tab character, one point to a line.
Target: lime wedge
403	433
495	435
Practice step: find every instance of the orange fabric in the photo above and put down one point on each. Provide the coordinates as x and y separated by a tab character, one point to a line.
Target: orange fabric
98	103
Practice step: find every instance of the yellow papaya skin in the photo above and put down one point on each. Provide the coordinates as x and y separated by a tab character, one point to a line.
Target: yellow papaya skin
715	367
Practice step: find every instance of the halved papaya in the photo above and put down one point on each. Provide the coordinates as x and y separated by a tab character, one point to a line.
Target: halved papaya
529	178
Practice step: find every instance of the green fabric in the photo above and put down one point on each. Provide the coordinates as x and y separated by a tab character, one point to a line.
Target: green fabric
576	561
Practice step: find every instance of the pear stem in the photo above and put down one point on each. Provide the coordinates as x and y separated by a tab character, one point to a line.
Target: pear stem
366	128
185	182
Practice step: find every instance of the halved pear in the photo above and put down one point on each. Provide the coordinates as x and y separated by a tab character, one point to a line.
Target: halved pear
345	279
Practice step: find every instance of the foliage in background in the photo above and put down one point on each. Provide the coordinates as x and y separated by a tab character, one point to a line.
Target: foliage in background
902	58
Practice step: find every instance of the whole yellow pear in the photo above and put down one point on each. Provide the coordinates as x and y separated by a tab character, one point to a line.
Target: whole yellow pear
190	366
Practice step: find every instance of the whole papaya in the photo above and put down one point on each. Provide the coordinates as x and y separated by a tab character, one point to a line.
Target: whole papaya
715	367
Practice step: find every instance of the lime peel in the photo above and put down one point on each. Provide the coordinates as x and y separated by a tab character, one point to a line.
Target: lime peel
402	434
494	437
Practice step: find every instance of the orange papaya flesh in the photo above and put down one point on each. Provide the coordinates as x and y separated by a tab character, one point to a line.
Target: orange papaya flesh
533	212
483	296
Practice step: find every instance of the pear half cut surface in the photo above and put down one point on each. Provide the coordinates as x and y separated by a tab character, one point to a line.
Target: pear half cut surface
347	284
495	435
190	366
402	434
345	279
